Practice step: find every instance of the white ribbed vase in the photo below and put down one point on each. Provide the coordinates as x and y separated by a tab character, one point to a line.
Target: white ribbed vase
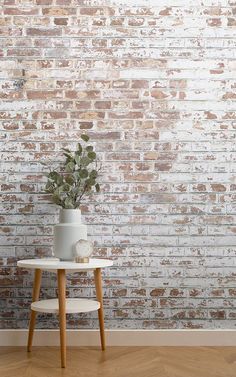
67	233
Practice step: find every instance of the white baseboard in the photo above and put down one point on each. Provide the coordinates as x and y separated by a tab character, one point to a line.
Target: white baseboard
123	337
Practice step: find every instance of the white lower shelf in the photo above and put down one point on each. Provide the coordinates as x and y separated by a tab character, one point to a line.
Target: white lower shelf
73	305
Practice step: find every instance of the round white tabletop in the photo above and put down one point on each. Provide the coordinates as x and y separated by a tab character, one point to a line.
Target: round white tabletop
56	264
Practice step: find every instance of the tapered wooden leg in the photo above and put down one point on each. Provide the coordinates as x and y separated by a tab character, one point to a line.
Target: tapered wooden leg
35	297
61	277
98	285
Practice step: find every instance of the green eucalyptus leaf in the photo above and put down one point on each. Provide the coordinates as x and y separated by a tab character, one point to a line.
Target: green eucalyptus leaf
69	179
77	158
88	188
58	191
56	199
85	137
97	187
79	149
89	148
92	155
49	187
83	173
53	175
77	175
66	187
66	150
85	161
69	157
93	174
70	167
69	203
91	182
59	180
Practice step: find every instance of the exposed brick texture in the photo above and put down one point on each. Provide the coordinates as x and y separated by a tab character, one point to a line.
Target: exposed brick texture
153	83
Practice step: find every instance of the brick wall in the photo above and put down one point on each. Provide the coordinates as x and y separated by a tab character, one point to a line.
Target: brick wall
153	83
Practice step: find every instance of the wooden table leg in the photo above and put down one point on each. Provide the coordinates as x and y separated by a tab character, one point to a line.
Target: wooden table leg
98	285
61	276
35	297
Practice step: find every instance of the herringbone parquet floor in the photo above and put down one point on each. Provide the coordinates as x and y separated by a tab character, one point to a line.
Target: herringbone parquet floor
120	362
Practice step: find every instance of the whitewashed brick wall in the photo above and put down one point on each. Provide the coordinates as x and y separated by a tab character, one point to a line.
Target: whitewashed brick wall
153	83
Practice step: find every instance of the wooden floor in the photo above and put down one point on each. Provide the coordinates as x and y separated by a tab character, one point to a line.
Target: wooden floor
120	362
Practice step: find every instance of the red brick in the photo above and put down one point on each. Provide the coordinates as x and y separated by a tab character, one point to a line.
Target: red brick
43	32
21	11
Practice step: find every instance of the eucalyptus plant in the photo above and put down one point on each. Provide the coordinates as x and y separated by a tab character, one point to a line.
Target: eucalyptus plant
75	177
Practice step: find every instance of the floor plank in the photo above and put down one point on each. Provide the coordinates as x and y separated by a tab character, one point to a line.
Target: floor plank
119	362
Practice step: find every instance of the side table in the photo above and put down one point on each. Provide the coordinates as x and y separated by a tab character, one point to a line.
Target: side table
64	305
